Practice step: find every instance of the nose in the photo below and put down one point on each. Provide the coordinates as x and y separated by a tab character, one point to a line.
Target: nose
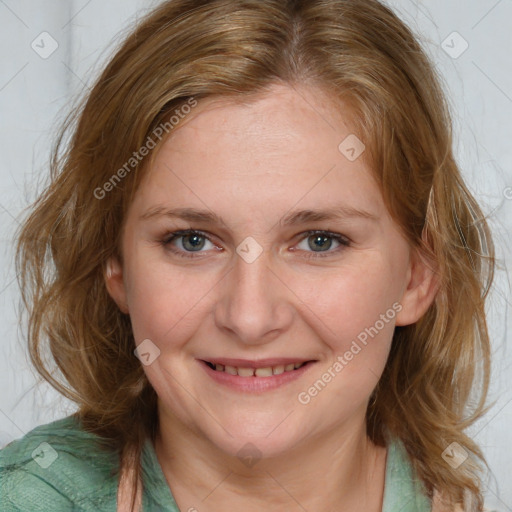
254	306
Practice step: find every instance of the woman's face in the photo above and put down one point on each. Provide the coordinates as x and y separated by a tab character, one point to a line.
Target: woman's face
265	284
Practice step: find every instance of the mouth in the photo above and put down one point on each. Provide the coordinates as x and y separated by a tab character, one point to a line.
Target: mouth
253	369
255	376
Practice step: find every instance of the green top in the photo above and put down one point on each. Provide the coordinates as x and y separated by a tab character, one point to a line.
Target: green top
58	467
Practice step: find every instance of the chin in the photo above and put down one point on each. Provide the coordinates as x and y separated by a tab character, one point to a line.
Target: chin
254	440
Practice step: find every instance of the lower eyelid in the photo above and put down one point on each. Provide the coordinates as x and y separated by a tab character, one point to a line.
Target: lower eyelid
341	239
180	236
343	244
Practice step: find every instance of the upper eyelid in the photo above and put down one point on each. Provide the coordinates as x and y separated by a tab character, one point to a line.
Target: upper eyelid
181	233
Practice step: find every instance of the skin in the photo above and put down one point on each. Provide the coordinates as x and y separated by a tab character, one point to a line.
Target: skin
265	158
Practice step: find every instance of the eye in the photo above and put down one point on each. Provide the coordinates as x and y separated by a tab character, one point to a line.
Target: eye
317	242
187	241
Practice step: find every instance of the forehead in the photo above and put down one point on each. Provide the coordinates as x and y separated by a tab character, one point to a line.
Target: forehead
274	148
278	113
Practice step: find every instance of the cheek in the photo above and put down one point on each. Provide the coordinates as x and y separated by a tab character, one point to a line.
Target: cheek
351	298
165	301
354	314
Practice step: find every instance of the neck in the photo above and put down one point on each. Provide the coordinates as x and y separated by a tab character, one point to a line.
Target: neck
343	463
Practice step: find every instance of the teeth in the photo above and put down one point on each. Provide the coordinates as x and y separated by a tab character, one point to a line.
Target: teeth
231	370
246	372
267	371
277	370
263	372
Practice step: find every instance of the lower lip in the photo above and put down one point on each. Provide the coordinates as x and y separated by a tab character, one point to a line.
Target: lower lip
255	384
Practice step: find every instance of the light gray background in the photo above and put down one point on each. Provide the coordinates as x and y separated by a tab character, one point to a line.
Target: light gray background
36	93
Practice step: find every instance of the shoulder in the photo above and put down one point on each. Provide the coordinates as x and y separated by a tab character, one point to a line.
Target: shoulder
56	467
404	485
403	490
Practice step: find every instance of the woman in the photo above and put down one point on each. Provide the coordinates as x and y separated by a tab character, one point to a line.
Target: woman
259	273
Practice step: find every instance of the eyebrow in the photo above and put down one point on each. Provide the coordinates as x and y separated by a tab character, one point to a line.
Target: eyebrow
292	219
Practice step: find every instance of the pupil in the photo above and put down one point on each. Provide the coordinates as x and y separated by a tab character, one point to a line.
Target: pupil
195	242
319	241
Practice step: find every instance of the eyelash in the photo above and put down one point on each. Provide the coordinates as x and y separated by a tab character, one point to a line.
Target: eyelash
342	240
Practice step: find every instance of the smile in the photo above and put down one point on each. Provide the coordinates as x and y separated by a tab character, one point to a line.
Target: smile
255	376
266	371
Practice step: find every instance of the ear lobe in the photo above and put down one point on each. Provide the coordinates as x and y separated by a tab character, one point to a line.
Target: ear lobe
422	286
115	284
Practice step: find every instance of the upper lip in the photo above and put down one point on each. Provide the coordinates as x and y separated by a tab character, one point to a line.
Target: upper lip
259	363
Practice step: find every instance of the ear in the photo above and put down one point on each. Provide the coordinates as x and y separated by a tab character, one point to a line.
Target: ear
422	286
115	283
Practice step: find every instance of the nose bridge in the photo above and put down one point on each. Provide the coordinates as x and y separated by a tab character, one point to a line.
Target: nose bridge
253	304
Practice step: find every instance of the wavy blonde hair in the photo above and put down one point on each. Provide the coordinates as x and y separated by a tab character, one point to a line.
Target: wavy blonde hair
362	55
